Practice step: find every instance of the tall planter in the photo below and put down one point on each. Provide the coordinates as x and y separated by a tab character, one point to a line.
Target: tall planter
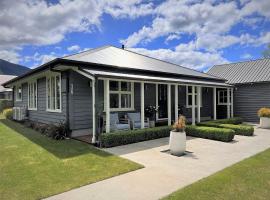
264	122
177	143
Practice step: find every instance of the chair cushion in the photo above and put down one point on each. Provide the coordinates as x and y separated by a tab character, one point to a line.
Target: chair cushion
114	119
138	125
135	117
122	126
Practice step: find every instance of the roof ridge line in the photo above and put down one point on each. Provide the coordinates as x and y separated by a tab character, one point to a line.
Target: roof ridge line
240	62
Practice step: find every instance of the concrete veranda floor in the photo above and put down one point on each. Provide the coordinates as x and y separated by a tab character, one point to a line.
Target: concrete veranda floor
164	173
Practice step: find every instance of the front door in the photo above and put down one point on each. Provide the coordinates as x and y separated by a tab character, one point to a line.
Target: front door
162	101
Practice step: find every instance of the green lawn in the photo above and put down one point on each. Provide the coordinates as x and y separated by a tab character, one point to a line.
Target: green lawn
248	180
33	166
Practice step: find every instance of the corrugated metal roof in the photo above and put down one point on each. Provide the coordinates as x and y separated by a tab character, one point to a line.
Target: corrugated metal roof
150	78
110	55
3	79
243	72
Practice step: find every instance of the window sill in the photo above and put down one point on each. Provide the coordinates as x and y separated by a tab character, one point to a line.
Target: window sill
191	106
120	109
53	111
32	109
17	100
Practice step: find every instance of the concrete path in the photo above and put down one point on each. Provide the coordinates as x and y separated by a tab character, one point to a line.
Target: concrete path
164	173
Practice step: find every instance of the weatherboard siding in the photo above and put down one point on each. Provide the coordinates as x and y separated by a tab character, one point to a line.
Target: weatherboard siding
41	115
249	98
80	102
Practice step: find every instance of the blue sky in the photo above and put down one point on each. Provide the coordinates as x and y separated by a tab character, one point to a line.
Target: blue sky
191	33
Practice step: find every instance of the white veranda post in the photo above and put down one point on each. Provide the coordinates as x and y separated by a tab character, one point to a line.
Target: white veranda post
176	103
198	104
142	105
232	102
107	108
193	105
215	102
169	104
94	111
228	103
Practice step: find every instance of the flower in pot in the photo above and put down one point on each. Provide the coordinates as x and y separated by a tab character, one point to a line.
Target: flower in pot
264	114
150	112
177	142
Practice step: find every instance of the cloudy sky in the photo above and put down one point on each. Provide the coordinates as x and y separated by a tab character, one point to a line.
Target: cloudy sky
192	33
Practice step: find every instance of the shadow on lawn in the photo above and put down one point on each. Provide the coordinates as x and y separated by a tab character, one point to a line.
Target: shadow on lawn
60	148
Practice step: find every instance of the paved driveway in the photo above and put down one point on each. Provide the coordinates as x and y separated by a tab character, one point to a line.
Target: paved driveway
164	173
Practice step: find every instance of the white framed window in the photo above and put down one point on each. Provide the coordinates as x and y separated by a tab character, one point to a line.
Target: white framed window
189	96
222	97
53	92
121	95
18	93
32	95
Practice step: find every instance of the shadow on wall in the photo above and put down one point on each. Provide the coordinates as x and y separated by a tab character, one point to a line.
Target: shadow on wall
60	148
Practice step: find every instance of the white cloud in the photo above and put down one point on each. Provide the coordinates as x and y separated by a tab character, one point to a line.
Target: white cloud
74	48
246	56
10	55
189	58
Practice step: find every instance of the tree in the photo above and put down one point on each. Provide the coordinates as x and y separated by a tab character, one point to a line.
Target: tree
266	52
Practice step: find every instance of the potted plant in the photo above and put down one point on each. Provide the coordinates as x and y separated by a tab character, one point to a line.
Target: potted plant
264	114
177	142
150	112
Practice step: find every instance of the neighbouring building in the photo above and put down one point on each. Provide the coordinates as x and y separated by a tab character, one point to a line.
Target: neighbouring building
251	82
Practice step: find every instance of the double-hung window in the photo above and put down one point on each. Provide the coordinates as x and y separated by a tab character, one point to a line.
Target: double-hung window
32	95
121	95
53	88
222	97
18	92
189	96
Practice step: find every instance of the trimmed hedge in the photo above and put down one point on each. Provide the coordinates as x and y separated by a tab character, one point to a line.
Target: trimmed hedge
239	129
235	121
133	136
220	134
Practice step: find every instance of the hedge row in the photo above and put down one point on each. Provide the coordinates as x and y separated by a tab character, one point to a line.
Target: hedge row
133	136
235	120
220	134
239	129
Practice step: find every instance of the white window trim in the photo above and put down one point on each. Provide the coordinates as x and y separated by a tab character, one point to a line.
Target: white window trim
196	92
54	74
222	103
119	92
16	92
31	82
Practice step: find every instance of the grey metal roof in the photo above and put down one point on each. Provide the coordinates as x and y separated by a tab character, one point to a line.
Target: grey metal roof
151	78
243	72
110	55
3	79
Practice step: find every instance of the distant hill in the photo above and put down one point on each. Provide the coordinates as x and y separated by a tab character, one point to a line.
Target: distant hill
8	68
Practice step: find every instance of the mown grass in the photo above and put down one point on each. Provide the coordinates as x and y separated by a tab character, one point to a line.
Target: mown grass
33	166
248	180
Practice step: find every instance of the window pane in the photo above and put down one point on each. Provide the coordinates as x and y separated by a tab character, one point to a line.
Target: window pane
35	95
114	101
49	93
189	89
114	86
190	100
125	86
53	93
125	101
58	82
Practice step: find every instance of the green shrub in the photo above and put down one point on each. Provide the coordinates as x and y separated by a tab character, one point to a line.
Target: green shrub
220	134
4	104
235	120
239	129
8	113
133	136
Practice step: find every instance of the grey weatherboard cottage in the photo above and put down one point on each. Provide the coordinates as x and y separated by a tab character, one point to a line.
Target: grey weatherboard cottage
251	82
79	88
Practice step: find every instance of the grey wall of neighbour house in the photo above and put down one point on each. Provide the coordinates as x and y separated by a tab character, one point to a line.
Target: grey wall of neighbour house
249	98
41	115
80	102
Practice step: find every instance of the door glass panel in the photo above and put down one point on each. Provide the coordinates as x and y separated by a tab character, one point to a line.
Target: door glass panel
162	101
125	101
114	101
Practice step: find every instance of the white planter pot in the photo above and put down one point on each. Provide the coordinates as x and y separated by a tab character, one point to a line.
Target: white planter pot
177	143
265	122
152	124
